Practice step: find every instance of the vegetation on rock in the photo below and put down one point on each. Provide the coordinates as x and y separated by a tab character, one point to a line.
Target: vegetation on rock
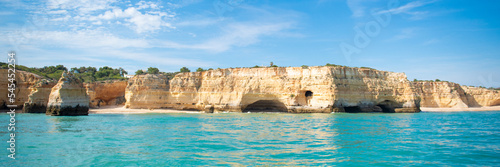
185	69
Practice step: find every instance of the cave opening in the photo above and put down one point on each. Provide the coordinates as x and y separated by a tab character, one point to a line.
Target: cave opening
308	94
266	106
387	106
352	109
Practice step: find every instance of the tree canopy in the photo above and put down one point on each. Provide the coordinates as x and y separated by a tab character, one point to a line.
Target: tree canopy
86	74
185	69
153	70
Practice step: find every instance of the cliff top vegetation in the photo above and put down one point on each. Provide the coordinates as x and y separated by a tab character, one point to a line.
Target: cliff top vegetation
86	74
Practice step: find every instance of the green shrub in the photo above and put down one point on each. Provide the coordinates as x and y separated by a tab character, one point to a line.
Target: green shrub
185	69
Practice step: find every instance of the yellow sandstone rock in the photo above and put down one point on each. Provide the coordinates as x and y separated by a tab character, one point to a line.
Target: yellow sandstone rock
445	94
287	89
24	80
482	96
39	97
68	97
106	93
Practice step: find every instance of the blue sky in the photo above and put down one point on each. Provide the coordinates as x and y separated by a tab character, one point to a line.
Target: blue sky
452	40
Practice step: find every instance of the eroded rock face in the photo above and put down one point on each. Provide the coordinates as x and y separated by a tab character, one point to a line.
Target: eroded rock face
441	95
291	89
147	91
68	97
39	97
482	96
451	95
106	93
24	80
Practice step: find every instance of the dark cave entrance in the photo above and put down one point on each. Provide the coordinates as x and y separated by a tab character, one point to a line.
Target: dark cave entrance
309	94
387	106
266	106
352	109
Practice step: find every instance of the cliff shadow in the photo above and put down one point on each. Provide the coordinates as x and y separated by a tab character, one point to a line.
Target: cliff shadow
262	103
471	101
265	106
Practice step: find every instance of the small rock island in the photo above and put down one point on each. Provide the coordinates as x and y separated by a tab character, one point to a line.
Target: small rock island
68	97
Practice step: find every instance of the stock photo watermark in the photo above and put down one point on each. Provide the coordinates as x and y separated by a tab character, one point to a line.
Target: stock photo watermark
371	29
11	77
488	82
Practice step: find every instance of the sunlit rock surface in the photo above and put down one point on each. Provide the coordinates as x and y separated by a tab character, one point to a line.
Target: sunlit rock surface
285	89
106	93
24	80
39	97
451	95
68	97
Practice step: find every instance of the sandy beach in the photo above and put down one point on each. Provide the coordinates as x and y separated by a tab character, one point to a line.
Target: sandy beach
494	108
123	110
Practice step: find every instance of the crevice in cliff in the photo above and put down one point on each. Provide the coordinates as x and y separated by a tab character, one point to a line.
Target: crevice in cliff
265	106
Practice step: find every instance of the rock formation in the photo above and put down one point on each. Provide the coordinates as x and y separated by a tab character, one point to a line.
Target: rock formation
24	80
482	96
106	93
445	94
39	97
68	97
147	91
291	89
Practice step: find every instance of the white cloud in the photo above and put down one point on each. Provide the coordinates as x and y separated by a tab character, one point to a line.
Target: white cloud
242	35
141	22
237	34
359	8
82	6
57	12
84	39
407	9
144	17
198	23
146	5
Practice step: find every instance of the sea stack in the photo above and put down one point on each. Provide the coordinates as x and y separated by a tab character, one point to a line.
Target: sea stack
39	97
68	97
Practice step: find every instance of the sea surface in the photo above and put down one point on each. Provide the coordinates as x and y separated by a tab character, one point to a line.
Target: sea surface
256	139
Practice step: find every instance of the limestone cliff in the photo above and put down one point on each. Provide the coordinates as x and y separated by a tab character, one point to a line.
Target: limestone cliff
291	89
24	80
451	95
147	91
482	96
39	97
441	94
106	93
68	97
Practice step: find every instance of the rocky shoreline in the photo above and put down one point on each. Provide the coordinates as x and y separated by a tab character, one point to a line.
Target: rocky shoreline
322	89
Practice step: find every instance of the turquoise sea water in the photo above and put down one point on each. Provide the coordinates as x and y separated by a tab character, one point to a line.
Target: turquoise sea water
235	139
